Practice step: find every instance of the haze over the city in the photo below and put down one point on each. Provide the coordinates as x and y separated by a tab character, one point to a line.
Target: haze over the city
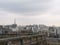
30	12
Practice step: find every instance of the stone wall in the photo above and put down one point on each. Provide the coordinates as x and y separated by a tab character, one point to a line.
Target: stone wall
25	40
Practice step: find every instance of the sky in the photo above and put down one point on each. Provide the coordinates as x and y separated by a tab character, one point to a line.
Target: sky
28	12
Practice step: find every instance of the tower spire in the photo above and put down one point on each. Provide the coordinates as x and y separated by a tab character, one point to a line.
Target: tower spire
14	21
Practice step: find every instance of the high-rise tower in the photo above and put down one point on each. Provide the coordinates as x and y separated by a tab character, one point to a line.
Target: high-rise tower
14	25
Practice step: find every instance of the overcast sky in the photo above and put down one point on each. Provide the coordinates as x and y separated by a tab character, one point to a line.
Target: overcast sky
30	12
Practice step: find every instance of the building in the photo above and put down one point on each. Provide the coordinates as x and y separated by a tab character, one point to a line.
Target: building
58	31
4	30
52	32
34	28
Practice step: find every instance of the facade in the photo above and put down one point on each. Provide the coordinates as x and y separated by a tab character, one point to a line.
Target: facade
4	30
52	31
35	28
24	29
58	31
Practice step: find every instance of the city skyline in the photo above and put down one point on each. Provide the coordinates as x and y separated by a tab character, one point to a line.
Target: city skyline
30	12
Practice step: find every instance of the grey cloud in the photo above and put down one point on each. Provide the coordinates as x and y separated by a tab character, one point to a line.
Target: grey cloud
27	7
